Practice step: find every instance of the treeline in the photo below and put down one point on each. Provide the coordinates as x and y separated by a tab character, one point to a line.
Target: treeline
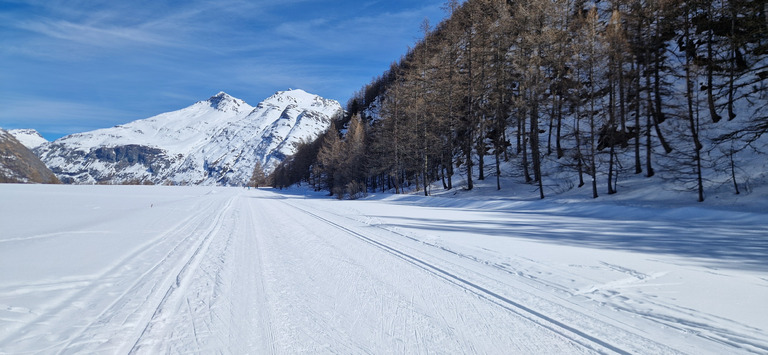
563	90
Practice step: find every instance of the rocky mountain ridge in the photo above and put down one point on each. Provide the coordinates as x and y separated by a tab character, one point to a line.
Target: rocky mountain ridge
19	165
212	142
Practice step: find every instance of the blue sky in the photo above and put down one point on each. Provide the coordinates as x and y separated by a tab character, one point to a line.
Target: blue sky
69	66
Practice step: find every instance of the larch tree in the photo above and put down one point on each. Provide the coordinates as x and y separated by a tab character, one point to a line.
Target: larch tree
258	177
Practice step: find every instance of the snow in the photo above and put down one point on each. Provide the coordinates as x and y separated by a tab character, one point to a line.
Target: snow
149	269
216	141
30	138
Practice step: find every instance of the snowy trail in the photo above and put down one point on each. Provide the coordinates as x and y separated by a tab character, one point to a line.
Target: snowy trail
698	305
538	318
203	270
351	294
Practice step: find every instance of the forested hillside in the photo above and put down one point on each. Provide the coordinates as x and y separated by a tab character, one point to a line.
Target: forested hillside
568	92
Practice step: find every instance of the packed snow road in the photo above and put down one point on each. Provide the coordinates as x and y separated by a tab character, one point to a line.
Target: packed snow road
96	269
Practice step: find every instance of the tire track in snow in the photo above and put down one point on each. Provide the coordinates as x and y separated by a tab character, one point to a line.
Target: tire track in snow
541	319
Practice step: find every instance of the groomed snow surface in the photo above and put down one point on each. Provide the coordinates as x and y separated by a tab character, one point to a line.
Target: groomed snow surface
137	269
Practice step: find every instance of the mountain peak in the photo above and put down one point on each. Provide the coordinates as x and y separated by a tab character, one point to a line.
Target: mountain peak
213	141
221	94
305	99
224	102
293	93
28	137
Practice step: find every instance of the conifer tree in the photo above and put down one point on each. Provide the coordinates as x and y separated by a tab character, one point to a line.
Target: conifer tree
258	177
329	161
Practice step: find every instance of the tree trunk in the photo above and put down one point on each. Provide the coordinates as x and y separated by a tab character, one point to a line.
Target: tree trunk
527	173
480	160
732	71
450	172
692	118
733	173
579	155
551	125
535	148
558	136
710	74
468	162
611	126
638	99
498	170
649	126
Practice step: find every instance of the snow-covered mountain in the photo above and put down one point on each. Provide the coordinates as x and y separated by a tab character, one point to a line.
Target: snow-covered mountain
216	141
19	165
30	138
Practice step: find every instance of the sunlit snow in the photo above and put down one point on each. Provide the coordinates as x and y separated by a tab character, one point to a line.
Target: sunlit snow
117	269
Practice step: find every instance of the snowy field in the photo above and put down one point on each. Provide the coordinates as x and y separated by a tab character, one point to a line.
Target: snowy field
135	269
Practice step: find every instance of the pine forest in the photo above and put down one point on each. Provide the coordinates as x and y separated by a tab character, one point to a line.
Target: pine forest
568	93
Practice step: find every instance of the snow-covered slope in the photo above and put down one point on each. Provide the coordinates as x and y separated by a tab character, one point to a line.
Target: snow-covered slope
30	138
19	165
216	141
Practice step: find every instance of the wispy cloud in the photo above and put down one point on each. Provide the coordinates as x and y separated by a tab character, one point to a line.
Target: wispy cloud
111	36
366	35
144	57
116	25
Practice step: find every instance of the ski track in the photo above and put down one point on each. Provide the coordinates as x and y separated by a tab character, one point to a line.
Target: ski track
256	271
132	294
568	332
171	301
564	305
404	316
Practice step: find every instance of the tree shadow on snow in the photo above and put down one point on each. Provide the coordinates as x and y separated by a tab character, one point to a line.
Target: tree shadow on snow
732	246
